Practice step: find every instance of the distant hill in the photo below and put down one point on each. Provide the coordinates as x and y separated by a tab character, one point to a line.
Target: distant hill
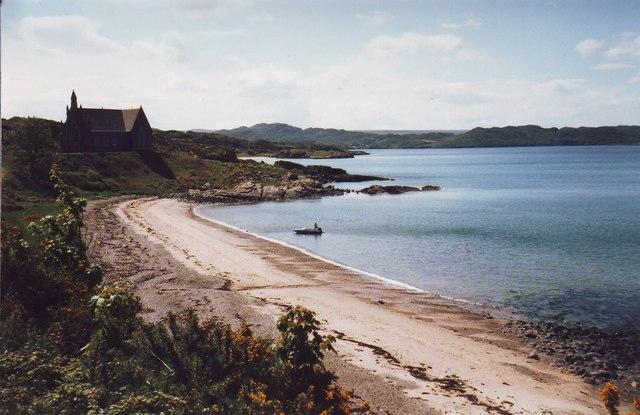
533	135
284	133
405	132
511	136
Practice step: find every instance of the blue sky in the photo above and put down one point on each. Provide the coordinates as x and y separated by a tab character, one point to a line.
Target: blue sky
344	64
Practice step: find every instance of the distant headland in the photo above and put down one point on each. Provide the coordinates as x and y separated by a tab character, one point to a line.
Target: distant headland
510	136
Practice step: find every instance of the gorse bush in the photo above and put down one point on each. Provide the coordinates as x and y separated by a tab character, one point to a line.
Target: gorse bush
69	346
46	276
610	397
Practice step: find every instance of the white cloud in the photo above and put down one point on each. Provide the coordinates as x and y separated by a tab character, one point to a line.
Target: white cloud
588	47
193	8
473	56
261	18
385	101
53	32
264	76
411	43
611	66
218	33
563	85
362	91
374	18
79	35
466	23
628	47
635	80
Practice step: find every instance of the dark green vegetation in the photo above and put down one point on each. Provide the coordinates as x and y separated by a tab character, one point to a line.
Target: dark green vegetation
180	161
71	345
532	135
528	135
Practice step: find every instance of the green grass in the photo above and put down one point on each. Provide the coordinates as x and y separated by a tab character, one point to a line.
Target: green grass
36	210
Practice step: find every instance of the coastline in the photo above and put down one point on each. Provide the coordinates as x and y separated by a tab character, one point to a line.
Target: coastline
564	345
441	355
477	307
193	210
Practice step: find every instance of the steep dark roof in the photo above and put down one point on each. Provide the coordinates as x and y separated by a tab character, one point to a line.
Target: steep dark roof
99	119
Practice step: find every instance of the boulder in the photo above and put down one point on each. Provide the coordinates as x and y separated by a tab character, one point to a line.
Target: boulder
377	189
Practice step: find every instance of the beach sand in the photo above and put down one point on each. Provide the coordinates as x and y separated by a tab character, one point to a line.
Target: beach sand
402	350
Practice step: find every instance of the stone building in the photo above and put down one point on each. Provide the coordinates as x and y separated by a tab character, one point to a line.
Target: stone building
99	129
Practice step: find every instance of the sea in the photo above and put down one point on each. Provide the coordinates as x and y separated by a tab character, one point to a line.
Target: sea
552	233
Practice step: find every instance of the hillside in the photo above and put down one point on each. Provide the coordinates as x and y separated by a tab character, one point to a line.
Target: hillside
284	133
527	135
179	161
257	147
533	135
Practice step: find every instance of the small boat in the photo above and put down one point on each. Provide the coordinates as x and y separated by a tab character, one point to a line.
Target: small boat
316	230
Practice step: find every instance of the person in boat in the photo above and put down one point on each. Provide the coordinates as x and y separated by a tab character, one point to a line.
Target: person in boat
315	225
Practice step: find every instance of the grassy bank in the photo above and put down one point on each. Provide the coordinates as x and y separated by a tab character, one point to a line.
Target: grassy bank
180	160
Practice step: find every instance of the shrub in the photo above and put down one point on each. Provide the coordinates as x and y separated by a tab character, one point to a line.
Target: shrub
66	350
34	147
610	397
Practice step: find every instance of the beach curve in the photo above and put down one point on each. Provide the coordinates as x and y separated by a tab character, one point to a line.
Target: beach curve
447	357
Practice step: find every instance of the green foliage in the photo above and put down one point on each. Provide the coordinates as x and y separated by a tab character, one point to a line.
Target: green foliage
69	350
186	366
46	277
181	366
302	348
34	145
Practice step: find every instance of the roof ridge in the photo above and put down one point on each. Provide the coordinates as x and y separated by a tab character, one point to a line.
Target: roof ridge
112	109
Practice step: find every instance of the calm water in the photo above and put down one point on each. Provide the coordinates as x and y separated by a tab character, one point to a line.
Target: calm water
551	231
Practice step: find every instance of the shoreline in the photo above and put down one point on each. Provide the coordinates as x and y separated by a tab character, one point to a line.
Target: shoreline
443	356
519	324
475	306
552	339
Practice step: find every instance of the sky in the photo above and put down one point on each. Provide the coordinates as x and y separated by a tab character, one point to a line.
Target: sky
361	64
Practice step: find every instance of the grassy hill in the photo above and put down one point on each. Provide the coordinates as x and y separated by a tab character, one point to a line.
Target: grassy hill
527	135
180	160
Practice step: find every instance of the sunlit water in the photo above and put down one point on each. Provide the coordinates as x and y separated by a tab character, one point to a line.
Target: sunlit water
553	232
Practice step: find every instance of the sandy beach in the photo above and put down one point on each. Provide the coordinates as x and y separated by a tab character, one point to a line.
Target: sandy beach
402	350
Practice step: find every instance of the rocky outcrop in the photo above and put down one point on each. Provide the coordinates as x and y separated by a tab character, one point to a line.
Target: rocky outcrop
377	189
430	188
325	174
250	191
